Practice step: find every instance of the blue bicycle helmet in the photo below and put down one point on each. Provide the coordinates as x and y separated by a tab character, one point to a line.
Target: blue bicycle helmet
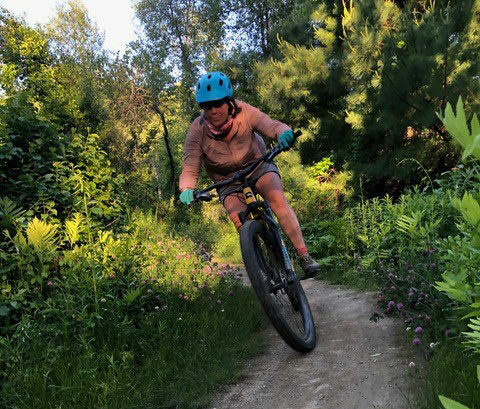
213	86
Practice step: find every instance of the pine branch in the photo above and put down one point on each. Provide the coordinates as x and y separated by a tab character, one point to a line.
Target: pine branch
403	99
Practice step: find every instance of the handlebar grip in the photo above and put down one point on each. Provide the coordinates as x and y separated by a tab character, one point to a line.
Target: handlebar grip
204	197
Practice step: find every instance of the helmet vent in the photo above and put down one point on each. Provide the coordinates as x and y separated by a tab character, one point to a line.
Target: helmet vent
209	87
210	76
198	86
220	82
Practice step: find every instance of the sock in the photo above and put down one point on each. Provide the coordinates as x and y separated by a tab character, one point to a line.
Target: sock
302	251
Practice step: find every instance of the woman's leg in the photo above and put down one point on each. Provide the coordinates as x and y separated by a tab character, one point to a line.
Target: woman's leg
233	206
270	188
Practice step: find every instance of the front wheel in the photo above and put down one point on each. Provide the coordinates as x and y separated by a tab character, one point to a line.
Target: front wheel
285	304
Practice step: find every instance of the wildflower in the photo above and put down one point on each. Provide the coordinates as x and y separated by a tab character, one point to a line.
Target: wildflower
411	365
157	307
390	304
433	344
392	288
185	298
391	276
165	307
411	293
143	282
419	330
231	293
149	290
416	341
207	269
103	300
112	275
381	298
399	306
408	329
50	283
219	302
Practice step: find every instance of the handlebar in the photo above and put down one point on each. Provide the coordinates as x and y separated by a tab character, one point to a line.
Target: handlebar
203	194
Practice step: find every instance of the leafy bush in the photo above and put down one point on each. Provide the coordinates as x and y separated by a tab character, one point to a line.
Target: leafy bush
116	310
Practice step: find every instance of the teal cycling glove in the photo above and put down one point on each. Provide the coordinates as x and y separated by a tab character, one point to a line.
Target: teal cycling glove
186	197
285	140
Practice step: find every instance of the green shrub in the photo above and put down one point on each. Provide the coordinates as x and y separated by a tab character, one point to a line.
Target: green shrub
111	319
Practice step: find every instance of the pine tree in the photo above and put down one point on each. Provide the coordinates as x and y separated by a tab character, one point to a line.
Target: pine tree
403	65
305	86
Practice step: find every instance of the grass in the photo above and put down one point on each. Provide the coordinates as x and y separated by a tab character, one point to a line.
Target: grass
451	373
174	358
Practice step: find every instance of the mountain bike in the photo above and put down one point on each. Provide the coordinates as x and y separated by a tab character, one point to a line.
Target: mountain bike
267	262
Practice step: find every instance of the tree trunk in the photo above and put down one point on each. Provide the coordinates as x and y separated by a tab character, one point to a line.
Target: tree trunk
169	151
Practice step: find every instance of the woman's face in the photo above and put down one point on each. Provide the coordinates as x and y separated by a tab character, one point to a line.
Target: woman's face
216	112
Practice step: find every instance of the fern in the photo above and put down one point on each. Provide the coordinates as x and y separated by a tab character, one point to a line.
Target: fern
409	224
10	214
73	228
41	235
457	127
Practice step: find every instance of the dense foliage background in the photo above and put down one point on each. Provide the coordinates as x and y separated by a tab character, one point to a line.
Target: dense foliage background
113	295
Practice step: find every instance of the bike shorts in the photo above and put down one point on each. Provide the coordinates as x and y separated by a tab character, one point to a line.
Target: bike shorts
236	187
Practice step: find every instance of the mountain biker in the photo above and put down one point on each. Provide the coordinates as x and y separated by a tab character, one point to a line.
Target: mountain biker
224	138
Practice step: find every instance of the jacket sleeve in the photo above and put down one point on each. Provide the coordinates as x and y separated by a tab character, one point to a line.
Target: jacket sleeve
262	123
192	158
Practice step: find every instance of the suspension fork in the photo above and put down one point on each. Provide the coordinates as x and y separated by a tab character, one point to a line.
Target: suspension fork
291	276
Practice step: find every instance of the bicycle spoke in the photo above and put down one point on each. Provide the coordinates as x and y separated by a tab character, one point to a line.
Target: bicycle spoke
273	274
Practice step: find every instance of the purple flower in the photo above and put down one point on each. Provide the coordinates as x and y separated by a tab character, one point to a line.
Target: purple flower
392	288
50	283
411	293
416	341
399	306
419	330
219	301
231	293
390	304
391	276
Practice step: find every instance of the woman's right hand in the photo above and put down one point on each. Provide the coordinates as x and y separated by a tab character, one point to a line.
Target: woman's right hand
186	197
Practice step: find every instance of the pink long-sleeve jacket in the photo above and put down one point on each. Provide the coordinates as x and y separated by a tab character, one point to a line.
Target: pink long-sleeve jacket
223	157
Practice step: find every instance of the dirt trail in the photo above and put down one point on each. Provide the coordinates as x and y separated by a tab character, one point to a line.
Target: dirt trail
357	364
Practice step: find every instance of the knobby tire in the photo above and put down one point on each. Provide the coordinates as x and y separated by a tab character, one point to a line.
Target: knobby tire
288	311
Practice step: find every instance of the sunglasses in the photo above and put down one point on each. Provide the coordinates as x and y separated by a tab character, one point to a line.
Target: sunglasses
212	104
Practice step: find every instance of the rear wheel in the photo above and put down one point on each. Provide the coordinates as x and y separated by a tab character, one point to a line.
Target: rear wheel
286	304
